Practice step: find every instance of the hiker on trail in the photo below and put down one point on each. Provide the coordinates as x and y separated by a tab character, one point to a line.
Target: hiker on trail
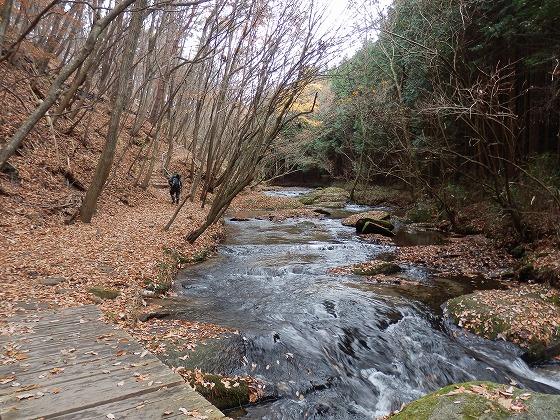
175	187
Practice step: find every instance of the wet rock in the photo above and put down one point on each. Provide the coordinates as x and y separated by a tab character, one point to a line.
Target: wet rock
332	204
384	223
322	211
374	214
379	227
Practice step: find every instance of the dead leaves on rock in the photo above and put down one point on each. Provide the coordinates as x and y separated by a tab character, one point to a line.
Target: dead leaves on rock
525	314
274	208
470	256
255	387
503	395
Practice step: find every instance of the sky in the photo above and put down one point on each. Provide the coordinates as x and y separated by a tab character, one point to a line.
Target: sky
351	14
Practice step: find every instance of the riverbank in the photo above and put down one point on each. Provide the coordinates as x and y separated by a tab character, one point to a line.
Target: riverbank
82	257
110	262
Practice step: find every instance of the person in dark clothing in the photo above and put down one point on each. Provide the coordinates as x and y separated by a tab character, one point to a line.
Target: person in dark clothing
175	187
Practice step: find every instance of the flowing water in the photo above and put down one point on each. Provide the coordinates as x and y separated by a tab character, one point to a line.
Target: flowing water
336	347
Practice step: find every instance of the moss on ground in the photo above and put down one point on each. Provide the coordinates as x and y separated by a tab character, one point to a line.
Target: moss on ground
481	400
103	293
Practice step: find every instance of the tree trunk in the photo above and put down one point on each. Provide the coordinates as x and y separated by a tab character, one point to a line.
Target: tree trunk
108	154
54	92
6	14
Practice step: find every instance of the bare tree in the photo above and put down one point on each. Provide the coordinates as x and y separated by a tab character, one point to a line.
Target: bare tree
108	154
55	90
4	22
259	81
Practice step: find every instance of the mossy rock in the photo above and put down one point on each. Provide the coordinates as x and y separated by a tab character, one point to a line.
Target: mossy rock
103	293
448	403
331	204
221	396
325	195
221	355
374	214
526	316
367	226
385	223
385	268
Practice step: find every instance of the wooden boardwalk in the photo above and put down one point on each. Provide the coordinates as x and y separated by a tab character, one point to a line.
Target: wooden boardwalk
72	365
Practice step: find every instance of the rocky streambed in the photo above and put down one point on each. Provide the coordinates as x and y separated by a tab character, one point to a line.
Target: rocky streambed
331	341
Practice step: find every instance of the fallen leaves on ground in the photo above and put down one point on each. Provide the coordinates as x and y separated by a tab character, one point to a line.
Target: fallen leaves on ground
472	255
159	336
123	248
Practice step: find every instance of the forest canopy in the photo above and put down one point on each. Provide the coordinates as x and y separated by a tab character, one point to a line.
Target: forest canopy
457	101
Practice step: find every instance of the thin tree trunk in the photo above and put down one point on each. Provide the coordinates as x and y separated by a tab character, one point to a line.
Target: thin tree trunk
6	14
108	154
54	92
153	158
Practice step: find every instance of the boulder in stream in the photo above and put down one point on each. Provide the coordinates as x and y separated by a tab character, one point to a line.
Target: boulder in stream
380	227
528	316
330	197
373	214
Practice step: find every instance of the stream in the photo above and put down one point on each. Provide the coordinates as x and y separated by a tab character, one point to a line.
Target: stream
336	347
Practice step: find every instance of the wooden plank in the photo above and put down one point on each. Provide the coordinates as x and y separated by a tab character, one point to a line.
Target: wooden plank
163	403
84	393
76	343
101	357
72	365
57	376
79	314
72	351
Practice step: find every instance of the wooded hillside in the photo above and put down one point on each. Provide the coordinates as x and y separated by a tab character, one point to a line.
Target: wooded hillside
454	103
214	79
